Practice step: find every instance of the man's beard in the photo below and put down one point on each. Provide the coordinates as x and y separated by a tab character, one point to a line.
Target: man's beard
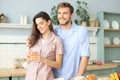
65	22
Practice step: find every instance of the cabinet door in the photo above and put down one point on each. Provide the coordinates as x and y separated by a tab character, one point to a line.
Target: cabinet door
15	78
93	48
118	68
7	52
101	72
12	42
18	78
22	78
4	78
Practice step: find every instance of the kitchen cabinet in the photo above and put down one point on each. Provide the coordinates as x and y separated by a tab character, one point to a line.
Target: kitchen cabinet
4	78
102	72
118	69
18	78
12	74
7	52
17	74
4	74
12	42
109	52
13	78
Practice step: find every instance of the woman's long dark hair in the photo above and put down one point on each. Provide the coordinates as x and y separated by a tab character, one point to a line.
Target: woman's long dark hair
35	34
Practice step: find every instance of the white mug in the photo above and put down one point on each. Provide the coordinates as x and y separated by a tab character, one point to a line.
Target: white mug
78	78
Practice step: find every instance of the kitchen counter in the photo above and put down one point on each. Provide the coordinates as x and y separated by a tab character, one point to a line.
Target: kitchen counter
103	66
17	72
21	72
4	73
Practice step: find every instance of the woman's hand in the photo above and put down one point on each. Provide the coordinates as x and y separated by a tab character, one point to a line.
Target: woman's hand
28	56
35	57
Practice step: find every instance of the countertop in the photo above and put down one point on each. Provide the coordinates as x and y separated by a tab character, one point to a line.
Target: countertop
103	66
17	72
5	72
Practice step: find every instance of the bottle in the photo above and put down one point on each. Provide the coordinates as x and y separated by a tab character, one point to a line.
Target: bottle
25	19
21	19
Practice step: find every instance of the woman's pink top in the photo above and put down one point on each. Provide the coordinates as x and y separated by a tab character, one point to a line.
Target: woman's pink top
39	70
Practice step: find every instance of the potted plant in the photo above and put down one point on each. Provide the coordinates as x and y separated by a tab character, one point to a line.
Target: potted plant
82	13
54	15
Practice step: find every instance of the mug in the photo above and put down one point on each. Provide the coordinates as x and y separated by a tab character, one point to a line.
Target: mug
78	78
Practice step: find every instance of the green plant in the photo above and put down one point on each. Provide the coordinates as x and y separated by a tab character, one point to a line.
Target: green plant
54	15
81	12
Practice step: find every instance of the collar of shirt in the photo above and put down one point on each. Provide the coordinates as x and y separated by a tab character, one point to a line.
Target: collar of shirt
71	31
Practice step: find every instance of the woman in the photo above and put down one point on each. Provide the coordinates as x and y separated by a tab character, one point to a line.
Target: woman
46	49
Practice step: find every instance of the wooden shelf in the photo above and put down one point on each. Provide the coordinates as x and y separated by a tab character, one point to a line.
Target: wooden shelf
15	26
112	45
29	26
111	29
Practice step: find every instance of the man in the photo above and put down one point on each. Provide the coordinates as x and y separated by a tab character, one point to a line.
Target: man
76	44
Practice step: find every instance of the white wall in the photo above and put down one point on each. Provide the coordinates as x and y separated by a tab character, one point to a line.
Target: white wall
13	9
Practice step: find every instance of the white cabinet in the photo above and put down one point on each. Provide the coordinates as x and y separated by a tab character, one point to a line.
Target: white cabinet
9	52
93	48
12	43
